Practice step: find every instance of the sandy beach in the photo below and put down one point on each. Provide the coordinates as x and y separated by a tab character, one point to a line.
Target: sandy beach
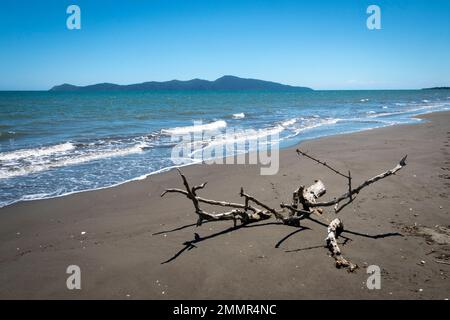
121	236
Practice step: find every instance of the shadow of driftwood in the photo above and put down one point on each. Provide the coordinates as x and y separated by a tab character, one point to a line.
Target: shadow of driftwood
365	235
177	229
323	246
290	235
375	236
189	245
306	248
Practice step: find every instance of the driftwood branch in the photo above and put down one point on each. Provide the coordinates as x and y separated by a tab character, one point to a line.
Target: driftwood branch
349	194
301	153
304	203
334	230
245	213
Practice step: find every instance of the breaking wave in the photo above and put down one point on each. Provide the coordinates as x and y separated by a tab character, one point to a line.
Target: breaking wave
239	115
29	161
36	152
195	128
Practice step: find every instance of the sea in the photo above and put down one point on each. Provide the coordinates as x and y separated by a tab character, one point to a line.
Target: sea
57	143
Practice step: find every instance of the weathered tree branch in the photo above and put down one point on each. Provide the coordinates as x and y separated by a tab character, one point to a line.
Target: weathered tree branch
366	183
208	201
320	162
241	211
334	230
304	203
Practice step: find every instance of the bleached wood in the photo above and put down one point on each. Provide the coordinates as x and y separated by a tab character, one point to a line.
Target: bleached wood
334	229
366	183
304	202
314	191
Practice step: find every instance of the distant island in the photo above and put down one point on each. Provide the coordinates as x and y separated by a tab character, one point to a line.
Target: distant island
223	83
437	88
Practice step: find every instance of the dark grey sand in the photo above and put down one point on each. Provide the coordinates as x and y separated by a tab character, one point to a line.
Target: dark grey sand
120	257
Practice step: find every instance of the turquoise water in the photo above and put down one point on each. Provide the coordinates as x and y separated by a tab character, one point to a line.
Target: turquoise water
55	143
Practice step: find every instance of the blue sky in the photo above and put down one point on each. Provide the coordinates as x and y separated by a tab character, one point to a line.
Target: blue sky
320	44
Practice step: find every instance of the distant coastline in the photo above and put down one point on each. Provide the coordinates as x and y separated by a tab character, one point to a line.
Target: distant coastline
437	88
223	83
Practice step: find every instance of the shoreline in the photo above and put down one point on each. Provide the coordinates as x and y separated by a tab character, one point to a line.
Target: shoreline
120	236
421	117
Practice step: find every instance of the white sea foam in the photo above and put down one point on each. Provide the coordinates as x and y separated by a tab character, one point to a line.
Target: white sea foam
261	133
236	136
59	194
315	124
246	135
428	107
40	163
413	109
239	115
196	128
384	114
364	100
36	152
288	123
